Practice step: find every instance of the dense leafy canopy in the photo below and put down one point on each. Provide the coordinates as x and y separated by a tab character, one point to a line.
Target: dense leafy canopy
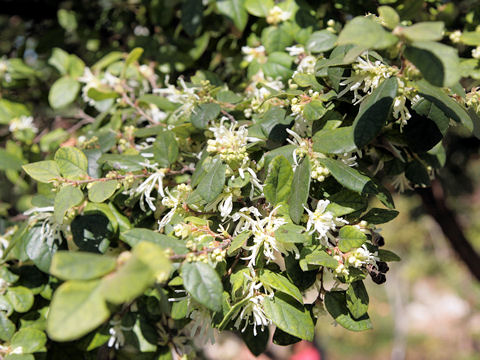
214	182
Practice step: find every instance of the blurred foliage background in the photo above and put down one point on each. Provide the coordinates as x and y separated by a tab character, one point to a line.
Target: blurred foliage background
429	307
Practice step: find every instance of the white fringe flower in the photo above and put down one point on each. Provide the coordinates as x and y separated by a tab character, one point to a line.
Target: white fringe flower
322	221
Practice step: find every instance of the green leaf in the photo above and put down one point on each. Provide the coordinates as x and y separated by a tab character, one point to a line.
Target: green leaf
238	242
335	302
388	16
386	255
203	114
367	33
346	202
165	149
102	190
99	94
147	263
306	80
37	249
77	307
259	8
334	141
212	183
357	299
438	63
471	38
374	112
291	233
276	39
13	356
134	236
321	41
63	92
66	198
60	60
72	163
159	101
314	110
30	340
433	112
21	298
350	238
294	319
300	190
279	180
228	96
67	20
348	177
68	265
7	327
235	10
43	171
449	106
122	162
319	258
133	56
203	283
108	59
280	283
379	216
423	31
192	14
9	161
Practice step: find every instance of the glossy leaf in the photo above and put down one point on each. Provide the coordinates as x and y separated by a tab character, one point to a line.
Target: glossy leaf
379	216
21	298
438	63
72	163
235	10
321	41
280	283
291	233
350	238
279	180
448	105
203	283
424	31
77	307
334	141
300	190
66	198
63	92
30	340
68	265
102	190
165	149
366	33
203	114
292	318
43	171
134	236
357	299
335	302
348	177
374	112
212	183
259	8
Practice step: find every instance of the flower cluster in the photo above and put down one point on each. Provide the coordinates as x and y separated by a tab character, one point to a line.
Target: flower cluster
230	143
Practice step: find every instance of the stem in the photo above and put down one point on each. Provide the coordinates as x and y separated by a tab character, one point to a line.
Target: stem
433	200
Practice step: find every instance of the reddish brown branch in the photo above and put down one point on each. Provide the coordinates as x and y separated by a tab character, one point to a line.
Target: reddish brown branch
433	200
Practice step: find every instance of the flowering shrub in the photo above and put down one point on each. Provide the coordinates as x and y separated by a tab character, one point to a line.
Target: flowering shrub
179	206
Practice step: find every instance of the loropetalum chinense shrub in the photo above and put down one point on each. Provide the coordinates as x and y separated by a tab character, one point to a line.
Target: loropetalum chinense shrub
181	206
